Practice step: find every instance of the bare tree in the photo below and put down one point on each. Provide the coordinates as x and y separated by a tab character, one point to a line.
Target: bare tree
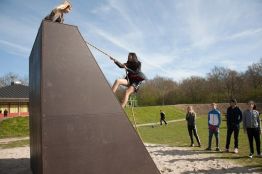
6	79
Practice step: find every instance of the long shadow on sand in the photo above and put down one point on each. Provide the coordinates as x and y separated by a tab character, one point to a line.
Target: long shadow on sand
15	166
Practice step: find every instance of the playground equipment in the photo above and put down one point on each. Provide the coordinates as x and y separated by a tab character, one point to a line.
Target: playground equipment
76	123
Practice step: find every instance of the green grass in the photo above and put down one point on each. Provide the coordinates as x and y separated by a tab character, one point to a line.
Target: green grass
176	134
13	144
14	127
151	114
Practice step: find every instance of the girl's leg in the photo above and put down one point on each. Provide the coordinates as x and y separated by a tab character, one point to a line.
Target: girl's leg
196	136
119	82
189	128
129	91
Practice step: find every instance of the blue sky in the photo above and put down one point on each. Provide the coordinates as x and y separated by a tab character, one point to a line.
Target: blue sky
173	38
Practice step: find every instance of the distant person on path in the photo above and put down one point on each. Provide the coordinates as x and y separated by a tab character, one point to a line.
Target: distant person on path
234	118
191	125
133	78
57	14
252	125
5	113
162	117
214	121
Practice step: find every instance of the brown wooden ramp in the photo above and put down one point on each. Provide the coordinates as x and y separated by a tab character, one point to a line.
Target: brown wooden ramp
77	126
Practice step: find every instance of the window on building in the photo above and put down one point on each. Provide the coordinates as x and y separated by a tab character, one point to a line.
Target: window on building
14	108
24	107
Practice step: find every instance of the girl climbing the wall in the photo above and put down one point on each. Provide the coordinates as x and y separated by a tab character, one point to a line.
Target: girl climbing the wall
57	14
133	78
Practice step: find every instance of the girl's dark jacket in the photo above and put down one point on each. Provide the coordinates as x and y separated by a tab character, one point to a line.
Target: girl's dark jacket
134	72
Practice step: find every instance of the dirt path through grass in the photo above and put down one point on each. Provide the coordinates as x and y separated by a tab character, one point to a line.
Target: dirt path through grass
157	123
9	140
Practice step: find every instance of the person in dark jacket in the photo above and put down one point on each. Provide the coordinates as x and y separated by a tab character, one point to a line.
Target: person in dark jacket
191	125
133	78
162	117
5	113
57	14
252	125
234	118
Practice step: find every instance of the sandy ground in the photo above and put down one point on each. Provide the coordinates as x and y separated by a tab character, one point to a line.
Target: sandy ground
169	160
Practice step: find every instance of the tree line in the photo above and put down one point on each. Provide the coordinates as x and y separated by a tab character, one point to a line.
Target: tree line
219	85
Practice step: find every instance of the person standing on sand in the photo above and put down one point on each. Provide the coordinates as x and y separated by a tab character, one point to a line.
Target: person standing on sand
191	125
214	121
234	118
252	125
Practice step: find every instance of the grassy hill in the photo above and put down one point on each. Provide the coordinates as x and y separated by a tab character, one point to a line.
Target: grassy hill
151	114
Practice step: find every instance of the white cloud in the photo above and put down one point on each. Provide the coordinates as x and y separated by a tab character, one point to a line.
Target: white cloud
14	48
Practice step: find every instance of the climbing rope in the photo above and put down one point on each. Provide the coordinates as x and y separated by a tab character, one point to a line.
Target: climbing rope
132	105
100	50
134	120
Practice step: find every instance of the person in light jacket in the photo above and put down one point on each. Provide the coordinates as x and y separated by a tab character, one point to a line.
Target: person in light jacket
214	121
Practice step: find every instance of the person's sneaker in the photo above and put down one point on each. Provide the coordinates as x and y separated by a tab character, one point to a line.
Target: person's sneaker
226	150
259	155
199	145
236	150
217	149
192	145
208	149
250	155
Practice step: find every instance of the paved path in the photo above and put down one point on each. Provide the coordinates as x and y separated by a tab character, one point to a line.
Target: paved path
157	123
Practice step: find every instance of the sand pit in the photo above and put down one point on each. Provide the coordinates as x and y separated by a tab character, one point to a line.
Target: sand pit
169	160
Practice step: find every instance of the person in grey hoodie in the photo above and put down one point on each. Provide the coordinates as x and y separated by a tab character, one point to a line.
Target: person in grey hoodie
191	125
251	125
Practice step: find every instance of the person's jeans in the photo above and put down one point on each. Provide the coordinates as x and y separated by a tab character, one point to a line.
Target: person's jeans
216	133
229	133
192	130
254	133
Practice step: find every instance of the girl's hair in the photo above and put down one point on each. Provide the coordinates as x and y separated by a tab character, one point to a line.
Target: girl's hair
190	108
254	104
65	5
133	57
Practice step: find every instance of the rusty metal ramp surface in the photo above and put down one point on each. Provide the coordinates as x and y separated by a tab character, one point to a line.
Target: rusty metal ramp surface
77	125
